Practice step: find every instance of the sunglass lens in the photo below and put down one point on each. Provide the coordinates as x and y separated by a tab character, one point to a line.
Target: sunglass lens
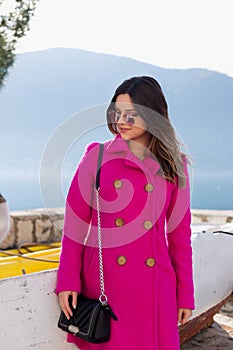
129	119
112	116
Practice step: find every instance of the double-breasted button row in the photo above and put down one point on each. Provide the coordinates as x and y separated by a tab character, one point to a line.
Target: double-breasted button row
121	260
147	224
148	187
119	221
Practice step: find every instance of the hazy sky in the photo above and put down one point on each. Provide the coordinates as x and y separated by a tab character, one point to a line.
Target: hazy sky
167	33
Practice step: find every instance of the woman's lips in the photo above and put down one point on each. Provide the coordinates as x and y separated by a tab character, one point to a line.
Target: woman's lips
123	129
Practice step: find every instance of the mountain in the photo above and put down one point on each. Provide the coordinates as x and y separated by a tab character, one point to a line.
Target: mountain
45	88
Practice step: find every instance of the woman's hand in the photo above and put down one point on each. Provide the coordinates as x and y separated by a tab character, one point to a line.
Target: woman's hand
63	299
184	315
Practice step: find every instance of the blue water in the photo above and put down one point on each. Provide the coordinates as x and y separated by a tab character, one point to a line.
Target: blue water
212	192
23	191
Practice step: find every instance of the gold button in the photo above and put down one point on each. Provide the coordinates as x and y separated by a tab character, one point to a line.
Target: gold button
150	262
119	222
121	260
148	225
117	183
148	187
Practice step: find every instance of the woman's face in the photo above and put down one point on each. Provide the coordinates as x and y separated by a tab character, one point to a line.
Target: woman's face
129	124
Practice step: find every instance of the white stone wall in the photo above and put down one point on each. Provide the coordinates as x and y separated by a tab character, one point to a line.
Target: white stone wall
218	217
41	225
36	225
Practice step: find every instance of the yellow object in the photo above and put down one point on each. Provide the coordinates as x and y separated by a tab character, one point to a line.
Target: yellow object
28	260
150	262
119	222
148	225
121	260
149	187
117	183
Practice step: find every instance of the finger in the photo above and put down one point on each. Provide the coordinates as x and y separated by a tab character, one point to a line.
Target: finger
67	311
67	308
180	312
187	315
184	319
74	299
66	314
64	304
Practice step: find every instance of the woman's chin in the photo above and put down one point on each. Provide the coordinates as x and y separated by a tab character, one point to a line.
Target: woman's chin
125	137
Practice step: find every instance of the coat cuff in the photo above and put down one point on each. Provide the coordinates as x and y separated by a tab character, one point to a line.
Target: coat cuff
185	299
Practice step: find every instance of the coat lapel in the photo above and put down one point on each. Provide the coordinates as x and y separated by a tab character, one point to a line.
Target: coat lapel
120	147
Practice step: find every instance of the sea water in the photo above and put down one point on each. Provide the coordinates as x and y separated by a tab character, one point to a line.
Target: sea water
23	190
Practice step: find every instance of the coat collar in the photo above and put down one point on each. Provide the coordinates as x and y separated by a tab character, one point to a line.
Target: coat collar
117	145
120	146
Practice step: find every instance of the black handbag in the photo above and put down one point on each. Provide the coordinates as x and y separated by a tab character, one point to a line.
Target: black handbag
91	318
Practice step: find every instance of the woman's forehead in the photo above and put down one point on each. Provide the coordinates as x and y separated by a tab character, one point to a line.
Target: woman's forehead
123	102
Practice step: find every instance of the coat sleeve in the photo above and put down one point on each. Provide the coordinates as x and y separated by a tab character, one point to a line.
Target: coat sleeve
179	242
76	222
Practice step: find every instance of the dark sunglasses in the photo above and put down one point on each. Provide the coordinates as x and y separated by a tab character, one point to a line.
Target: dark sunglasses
129	118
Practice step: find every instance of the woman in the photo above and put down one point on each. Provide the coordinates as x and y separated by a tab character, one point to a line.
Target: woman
4	218
145	221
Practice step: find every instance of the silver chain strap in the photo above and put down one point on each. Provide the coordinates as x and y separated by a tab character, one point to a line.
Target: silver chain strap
103	297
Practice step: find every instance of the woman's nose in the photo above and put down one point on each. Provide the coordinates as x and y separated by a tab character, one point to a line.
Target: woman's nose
121	120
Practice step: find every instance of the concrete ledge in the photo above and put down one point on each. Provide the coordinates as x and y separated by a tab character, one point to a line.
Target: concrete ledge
45	225
35	225
218	217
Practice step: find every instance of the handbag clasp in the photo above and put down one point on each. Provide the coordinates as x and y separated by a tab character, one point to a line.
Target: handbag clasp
73	329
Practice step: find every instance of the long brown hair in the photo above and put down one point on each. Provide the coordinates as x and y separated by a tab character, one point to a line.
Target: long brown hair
146	92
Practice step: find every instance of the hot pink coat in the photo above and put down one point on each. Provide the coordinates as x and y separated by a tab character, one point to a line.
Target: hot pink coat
147	252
